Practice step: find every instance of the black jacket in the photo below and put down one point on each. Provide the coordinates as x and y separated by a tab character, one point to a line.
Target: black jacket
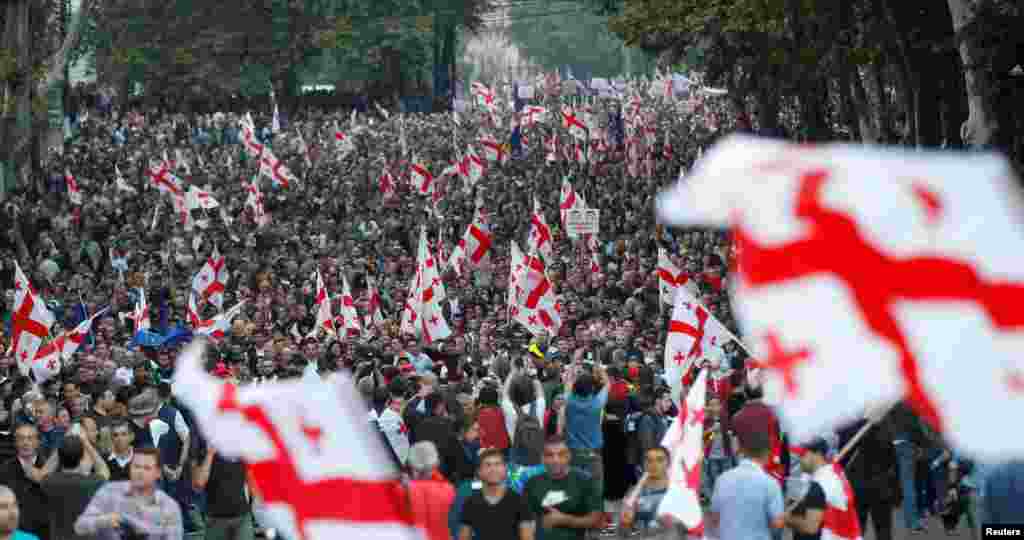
32	501
440	430
871	464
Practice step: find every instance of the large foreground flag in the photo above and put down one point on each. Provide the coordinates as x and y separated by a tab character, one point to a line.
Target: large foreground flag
309	452
867	276
685	441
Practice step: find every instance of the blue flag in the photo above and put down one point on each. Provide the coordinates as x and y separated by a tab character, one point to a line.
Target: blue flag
517	142
617	127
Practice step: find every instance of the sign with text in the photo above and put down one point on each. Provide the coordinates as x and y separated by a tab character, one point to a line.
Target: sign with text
582	221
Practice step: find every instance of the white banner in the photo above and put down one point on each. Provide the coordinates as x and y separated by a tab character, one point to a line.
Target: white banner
582	221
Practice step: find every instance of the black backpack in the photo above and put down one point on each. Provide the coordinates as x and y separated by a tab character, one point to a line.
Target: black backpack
528	442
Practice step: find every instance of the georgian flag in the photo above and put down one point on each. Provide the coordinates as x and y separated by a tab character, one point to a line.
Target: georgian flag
254	200
215	328
347	320
342	141
693	333
477	166
199	198
386	183
212	279
374	314
140	315
74	194
324	319
671	278
577	129
30	321
540	234
537	307
422	178
275	169
685	441
319	469
165	181
840	520
876	272
534	114
474	245
551	148
493	150
569	200
49	357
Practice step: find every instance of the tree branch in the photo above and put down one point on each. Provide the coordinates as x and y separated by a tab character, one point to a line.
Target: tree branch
55	64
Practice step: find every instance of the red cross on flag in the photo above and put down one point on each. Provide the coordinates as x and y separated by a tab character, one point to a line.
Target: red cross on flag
216	328
140	315
212	279
254	201
474	245
685	441
343	141
422	179
540	234
493	150
324	319
49	357
536	306
569	200
275	169
476	166
200	198
671	278
577	129
30	321
693	333
866	276
551	148
839	520
349	317
165	181
309	453
374	314
74	194
533	114
386	183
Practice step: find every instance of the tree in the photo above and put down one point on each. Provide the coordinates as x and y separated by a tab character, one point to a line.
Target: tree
876	70
32	61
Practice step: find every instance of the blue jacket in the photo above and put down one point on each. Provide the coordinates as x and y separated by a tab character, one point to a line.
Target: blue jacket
1002	493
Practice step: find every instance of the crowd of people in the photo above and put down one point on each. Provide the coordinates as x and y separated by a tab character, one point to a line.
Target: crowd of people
503	434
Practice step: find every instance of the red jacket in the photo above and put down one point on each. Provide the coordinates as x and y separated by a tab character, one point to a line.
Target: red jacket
493	433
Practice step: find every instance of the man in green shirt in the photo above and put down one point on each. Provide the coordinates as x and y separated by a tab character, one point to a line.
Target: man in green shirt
566	502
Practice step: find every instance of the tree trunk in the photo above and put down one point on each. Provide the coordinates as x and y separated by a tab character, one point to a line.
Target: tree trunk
982	126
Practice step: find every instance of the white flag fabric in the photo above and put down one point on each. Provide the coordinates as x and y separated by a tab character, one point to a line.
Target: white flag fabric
30	321
347	321
671	278
685	441
199	198
693	334
541	239
212	278
866	276
320	471
324	319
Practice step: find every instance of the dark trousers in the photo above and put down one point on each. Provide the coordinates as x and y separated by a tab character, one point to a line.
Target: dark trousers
880	513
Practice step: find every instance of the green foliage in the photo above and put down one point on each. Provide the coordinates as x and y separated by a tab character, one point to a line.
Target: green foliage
579	38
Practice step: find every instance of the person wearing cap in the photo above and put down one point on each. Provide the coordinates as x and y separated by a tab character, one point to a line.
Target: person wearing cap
806	516
747	502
